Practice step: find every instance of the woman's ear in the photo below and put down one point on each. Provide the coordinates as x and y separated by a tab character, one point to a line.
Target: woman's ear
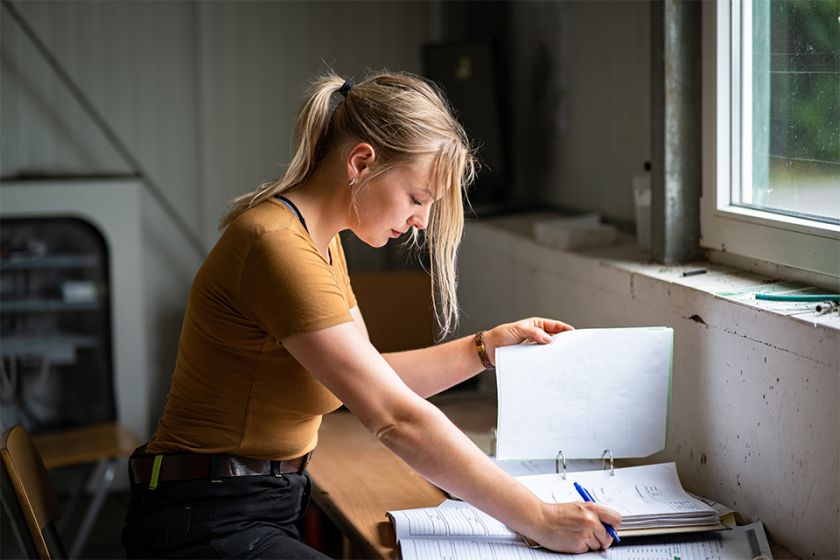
360	162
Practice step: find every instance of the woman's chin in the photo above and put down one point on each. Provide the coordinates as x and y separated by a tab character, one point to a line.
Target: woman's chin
375	243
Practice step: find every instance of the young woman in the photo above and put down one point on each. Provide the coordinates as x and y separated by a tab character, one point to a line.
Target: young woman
273	339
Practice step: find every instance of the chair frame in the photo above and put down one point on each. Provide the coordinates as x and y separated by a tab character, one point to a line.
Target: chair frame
34	513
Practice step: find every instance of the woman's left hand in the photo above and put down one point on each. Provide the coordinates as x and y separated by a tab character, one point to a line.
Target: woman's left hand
534	329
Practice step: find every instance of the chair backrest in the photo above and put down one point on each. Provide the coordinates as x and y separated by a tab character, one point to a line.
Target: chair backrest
36	496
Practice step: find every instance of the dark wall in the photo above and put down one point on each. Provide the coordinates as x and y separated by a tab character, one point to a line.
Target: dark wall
471	64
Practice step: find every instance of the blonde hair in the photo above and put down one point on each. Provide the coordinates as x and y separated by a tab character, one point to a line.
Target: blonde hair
402	116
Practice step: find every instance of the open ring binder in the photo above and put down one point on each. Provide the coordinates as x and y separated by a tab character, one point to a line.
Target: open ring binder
561	459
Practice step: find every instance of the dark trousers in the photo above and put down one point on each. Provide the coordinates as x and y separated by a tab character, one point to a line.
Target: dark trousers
240	517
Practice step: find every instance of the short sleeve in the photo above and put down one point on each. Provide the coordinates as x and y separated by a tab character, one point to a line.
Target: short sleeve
287	287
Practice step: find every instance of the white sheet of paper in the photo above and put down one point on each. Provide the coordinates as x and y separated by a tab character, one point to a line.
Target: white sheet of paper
748	541
586	391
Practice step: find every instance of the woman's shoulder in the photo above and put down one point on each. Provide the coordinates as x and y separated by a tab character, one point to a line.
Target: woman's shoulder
267	217
266	229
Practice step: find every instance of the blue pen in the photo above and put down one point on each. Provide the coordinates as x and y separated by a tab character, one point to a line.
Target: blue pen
587	497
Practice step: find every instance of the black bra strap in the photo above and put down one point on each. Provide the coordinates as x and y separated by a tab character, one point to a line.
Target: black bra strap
293	208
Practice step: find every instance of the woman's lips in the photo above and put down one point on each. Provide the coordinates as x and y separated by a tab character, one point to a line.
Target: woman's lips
395	234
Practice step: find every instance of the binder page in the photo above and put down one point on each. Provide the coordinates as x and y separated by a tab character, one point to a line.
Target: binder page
448	520
645	496
586	391
739	543
544	466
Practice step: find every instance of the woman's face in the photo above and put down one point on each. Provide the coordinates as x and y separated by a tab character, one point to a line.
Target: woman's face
391	203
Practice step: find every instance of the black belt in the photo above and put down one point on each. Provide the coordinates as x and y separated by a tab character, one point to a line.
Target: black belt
195	466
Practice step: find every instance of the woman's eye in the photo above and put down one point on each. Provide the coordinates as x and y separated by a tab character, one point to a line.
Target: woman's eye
416	201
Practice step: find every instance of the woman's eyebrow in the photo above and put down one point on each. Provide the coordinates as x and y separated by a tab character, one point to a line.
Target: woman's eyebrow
422	190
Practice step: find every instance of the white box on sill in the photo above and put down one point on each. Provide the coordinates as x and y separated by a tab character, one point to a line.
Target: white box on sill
576	231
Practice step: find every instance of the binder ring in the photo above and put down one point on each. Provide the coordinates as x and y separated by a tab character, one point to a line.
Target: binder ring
557	460
604	455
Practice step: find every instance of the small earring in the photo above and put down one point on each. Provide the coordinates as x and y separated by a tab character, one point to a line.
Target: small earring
351	182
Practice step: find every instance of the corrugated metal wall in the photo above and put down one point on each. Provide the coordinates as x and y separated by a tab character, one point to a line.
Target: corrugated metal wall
203	94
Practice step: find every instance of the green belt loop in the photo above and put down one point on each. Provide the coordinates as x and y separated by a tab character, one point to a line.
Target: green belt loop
153	481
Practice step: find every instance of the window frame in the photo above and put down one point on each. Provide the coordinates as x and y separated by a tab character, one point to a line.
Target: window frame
748	232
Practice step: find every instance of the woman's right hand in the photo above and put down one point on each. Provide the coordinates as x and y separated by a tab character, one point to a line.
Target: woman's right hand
575	527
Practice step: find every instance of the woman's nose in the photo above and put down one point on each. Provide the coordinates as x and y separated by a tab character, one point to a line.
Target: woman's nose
420	219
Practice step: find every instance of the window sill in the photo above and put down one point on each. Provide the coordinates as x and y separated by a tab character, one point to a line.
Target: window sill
721	281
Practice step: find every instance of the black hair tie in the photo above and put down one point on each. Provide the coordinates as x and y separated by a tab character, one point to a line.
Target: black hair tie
346	87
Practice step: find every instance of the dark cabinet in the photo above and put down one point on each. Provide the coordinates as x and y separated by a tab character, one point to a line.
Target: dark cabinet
55	324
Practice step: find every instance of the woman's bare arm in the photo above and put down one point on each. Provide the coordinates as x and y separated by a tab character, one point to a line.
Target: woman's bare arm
346	363
428	371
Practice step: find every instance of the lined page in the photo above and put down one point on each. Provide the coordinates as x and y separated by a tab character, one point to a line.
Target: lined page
450	521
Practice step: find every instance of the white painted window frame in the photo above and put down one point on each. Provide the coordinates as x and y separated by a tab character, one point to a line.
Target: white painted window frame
774	238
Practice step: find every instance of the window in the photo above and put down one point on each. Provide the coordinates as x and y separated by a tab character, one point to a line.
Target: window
771	113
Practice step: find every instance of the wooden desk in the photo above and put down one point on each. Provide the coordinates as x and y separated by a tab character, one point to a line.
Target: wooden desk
356	479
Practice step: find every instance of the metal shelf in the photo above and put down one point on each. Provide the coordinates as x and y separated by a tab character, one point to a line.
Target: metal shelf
49	262
45	306
58	348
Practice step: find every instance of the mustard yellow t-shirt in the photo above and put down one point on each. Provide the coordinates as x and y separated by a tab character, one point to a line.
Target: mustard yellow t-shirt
235	389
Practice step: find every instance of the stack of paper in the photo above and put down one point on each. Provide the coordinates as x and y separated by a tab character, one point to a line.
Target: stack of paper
458	530
650	498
